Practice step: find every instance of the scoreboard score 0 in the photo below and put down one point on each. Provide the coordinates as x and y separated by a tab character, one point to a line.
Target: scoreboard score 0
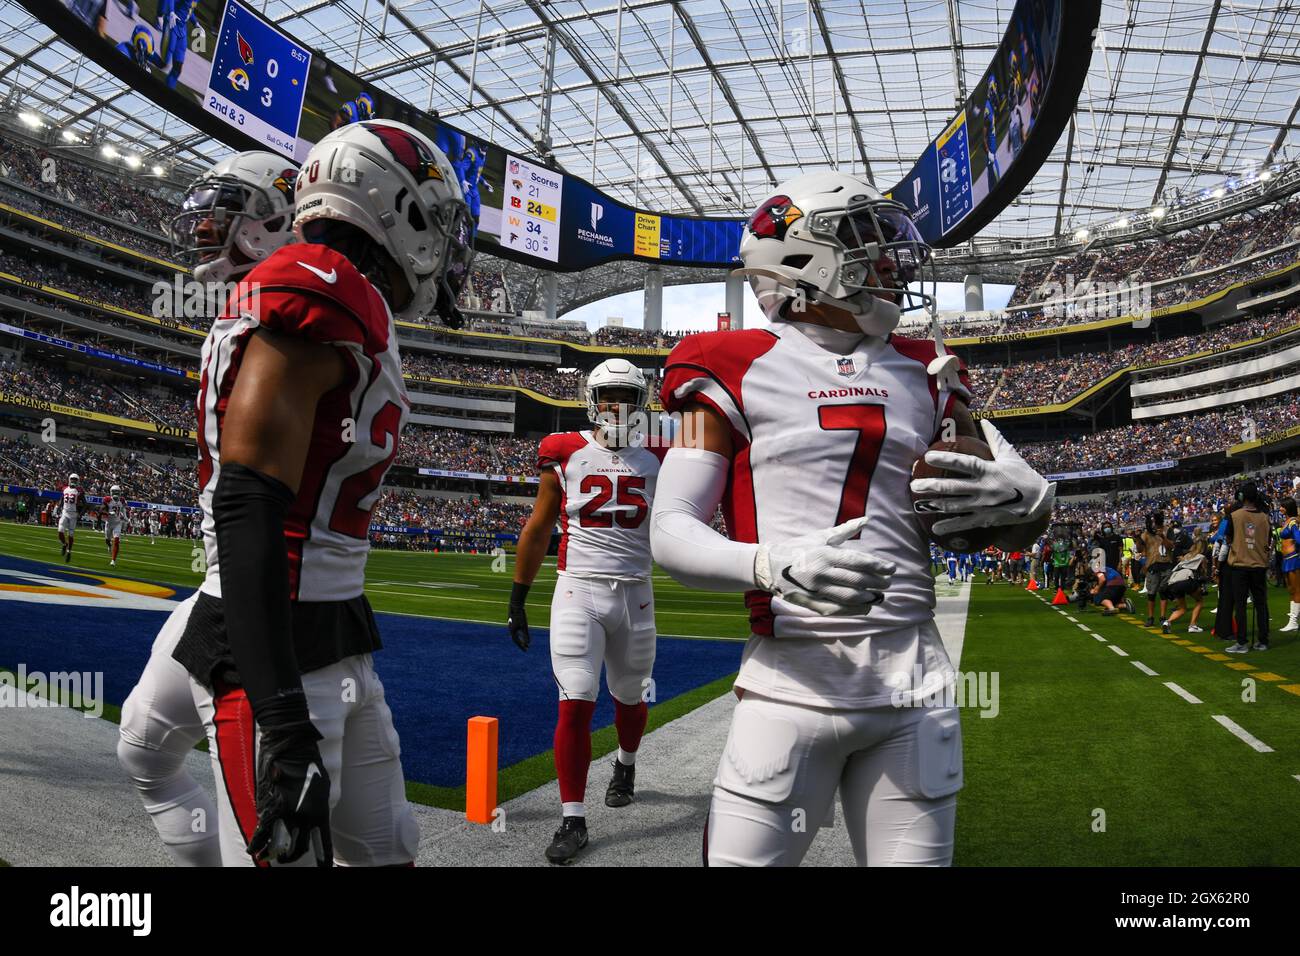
258	81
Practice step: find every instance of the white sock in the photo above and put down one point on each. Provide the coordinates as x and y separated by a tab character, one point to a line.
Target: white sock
574	809
625	758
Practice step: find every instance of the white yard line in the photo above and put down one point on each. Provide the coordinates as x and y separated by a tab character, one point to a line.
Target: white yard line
1242	734
1118	650
1185	695
1144	669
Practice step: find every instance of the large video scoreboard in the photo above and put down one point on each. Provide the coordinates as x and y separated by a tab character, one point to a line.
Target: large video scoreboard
222	66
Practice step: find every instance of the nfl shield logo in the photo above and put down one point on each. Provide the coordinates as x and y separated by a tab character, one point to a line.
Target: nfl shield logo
845	366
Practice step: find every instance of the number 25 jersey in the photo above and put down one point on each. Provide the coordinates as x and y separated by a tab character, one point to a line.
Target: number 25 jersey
606	495
312	292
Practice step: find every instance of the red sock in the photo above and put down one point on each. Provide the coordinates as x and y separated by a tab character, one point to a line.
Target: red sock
116	542
573	748
629	721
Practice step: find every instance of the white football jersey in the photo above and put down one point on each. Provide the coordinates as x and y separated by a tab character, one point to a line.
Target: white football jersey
71	497
327	530
115	507
821	438
605	506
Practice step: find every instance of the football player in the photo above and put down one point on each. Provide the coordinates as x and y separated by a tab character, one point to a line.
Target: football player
69	512
305	355
114	508
600	485
232	218
174	18
806	432
154	526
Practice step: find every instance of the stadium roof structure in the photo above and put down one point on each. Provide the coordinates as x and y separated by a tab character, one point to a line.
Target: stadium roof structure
700	106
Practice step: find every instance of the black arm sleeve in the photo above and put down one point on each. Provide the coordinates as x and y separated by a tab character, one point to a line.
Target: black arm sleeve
249	509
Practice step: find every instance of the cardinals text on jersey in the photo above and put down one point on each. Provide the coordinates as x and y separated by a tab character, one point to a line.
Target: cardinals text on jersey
606	494
313	292
821	438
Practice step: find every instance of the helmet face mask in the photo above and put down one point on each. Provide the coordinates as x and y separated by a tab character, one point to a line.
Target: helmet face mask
830	239
235	216
616	394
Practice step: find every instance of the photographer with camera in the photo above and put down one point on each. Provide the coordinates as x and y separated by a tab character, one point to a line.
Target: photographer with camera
1157	549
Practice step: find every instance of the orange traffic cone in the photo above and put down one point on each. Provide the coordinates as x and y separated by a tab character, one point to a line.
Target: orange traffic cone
1032	586
1060	597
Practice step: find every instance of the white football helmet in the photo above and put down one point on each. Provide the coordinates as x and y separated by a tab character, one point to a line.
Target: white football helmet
391	182
115	490
73	479
834	239
615	373
248	200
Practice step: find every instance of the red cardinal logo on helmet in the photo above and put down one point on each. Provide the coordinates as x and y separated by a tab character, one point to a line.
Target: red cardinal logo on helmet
774	218
408	151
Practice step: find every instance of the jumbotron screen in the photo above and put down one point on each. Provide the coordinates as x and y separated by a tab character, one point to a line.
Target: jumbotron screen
223	67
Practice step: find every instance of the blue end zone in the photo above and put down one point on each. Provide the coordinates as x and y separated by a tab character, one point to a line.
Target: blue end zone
437	673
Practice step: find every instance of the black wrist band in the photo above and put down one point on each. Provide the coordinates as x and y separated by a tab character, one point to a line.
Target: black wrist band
518	592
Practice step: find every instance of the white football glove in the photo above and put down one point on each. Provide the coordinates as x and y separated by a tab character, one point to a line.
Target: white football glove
813	571
1003	491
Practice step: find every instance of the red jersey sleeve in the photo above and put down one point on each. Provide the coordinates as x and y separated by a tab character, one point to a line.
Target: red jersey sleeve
710	368
314	292
554	450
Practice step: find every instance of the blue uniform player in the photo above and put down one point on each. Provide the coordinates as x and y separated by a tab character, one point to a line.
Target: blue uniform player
950	559
174	18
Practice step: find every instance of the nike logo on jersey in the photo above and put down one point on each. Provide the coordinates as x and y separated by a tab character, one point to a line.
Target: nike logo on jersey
645	605
331	277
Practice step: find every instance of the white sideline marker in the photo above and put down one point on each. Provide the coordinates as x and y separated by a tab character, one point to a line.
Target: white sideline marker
1097	636
1242	734
1118	650
1083	627
1069	618
1190	698
1144	669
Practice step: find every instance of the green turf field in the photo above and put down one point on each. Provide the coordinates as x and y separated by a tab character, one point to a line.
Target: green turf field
1089	761
459	586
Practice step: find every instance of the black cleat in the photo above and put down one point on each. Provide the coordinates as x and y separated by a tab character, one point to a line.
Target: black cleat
568	840
622	785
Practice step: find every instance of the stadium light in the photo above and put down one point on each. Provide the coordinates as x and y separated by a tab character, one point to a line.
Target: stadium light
1218	193
108	152
1121	223
133	162
70	137
1081	234
1158	212
158	170
1265	176
31	119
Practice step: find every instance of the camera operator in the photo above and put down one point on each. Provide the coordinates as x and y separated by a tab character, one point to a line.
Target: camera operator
1110	544
1156	547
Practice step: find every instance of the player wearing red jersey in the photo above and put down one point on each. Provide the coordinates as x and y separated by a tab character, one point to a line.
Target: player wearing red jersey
815	423
600	485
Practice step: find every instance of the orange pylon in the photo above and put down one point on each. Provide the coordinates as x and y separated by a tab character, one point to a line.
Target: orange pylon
1060	598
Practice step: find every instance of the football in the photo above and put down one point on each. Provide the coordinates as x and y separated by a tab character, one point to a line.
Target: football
973	539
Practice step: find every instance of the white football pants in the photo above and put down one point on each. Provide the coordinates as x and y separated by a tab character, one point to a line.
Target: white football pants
602	620
897	770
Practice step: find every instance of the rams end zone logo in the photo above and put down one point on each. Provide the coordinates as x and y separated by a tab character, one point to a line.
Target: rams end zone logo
84	589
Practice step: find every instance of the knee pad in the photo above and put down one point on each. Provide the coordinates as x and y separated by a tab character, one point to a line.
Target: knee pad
938	754
146	766
763	756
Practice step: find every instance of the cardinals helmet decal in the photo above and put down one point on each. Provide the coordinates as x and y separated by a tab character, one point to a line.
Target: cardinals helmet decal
772	219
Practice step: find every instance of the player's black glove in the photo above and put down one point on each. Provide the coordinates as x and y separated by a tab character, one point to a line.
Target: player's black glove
517	622
293	797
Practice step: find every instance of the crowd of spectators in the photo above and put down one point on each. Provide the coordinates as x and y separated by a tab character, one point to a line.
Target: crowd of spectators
452	449
1192	505
47	466
406	509
1180	436
1045	381
88	392
157	247
111	196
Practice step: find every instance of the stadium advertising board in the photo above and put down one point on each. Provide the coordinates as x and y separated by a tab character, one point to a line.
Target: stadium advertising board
44	405
222	66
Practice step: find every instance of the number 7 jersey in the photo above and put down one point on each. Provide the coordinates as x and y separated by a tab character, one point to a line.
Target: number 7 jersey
606	496
312	292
